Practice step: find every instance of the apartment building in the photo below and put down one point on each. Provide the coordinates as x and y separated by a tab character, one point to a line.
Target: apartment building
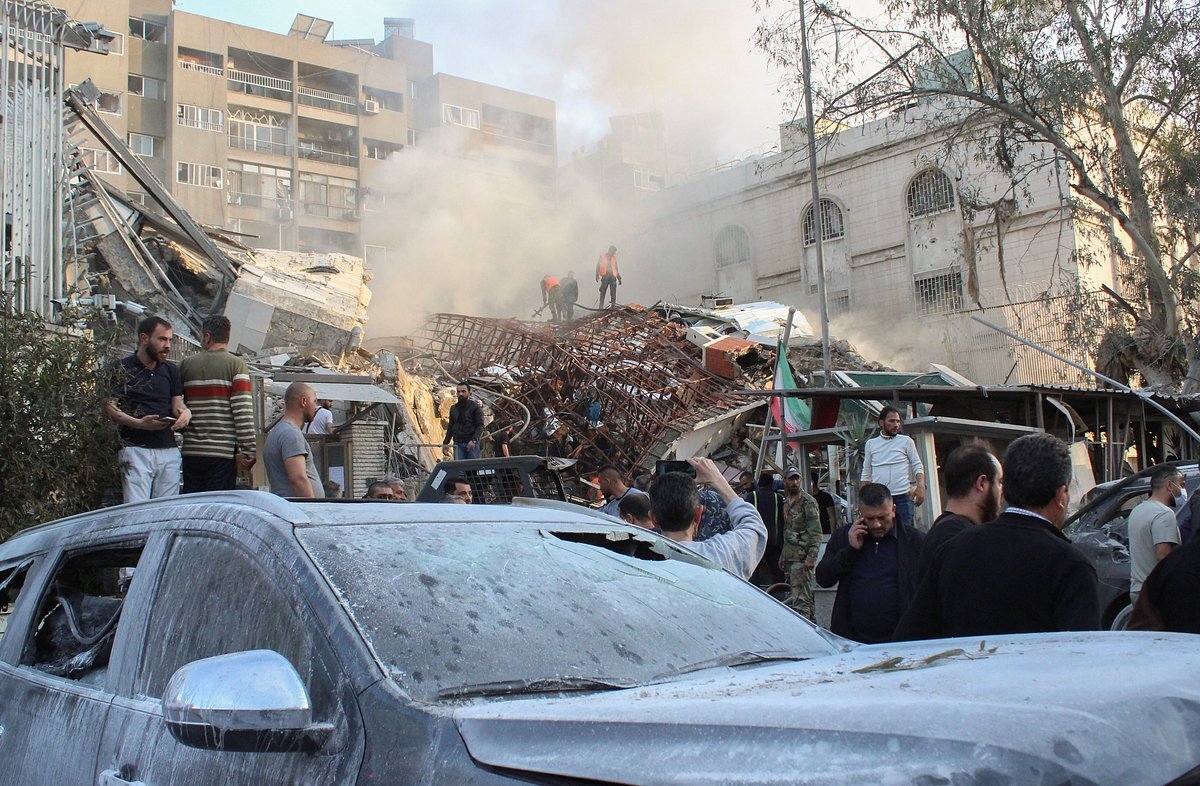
273	135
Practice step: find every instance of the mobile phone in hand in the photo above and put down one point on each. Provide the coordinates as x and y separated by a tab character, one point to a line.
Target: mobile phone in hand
663	467
166	418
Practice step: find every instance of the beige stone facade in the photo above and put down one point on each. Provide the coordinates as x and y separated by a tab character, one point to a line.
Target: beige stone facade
277	136
907	264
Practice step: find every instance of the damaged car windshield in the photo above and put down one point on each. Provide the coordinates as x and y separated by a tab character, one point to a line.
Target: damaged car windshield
457	606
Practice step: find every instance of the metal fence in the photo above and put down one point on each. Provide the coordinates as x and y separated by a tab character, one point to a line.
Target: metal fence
33	170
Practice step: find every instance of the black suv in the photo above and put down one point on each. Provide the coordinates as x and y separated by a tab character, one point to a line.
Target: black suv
1100	529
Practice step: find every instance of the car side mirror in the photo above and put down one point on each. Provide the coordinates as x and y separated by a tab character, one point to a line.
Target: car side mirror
243	702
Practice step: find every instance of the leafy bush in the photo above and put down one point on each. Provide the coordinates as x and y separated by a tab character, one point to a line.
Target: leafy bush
58	451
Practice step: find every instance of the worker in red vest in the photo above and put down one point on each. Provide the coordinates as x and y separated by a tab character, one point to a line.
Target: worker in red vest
551	296
608	275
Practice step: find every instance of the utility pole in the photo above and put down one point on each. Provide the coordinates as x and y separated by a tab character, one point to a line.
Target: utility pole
818	218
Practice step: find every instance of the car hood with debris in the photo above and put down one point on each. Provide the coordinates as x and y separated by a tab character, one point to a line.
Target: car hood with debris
1092	708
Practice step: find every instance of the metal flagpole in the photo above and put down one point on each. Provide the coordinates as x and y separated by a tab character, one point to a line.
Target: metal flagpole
818	214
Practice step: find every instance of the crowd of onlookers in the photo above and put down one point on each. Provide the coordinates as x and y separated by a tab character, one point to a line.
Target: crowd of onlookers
995	561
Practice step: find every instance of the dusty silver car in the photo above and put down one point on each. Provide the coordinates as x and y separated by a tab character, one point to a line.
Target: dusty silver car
238	638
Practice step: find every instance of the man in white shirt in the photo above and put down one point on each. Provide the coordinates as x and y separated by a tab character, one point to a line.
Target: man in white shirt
1153	532
891	459
322	422
676	510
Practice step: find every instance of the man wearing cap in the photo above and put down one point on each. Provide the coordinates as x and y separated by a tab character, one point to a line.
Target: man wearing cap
801	542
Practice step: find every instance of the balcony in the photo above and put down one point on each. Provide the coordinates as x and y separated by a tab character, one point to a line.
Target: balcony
316	151
323	99
187	65
260	85
260	145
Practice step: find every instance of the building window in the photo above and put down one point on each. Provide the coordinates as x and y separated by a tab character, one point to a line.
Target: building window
111	103
412	138
263	133
253	185
375	256
831	223
930	192
374	201
384	99
460	116
644	180
201	175
200	117
839	303
147	31
145	145
332	197
732	247
147	87
101	161
412	91
940	293
380	151
117	45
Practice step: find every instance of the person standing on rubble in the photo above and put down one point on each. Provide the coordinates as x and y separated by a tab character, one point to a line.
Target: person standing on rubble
568	297
216	387
147	403
466	424
608	275
551	296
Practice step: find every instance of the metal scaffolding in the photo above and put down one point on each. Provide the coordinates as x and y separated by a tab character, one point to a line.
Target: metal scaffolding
647	381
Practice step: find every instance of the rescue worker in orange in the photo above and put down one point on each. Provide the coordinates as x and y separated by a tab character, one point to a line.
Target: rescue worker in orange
608	275
551	296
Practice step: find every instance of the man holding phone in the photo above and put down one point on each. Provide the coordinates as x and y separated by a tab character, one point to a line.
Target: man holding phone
874	563
676	510
147	403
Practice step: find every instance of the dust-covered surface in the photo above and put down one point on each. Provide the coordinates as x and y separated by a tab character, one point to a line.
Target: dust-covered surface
1042	709
451	606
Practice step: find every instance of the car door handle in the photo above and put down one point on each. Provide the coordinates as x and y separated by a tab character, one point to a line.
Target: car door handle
113	778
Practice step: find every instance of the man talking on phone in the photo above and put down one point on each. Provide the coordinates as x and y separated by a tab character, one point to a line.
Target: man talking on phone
874	563
147	403
676	510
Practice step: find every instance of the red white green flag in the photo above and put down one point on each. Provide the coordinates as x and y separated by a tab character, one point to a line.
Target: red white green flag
791	414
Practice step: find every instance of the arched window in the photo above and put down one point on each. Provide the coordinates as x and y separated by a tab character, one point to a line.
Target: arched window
732	247
930	192
831	223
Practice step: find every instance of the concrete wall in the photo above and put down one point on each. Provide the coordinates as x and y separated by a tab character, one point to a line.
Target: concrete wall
872	269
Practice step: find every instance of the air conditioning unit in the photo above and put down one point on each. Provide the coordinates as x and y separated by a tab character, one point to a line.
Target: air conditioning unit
371	107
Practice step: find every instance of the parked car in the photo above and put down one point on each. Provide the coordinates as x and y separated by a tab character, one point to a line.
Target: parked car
1100	529
237	638
497	481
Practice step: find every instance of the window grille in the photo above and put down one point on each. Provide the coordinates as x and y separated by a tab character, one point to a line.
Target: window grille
199	175
939	294
930	192
831	223
732	247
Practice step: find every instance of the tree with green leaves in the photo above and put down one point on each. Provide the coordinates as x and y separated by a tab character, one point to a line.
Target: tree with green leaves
1105	91
58	452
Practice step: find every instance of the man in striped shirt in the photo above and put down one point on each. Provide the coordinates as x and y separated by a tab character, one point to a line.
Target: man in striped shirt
216	387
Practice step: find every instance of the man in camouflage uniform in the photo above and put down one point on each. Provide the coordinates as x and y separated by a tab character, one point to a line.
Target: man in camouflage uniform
801	542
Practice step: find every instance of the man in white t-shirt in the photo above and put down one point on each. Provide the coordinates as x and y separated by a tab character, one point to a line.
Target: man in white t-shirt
322	422
891	460
1153	532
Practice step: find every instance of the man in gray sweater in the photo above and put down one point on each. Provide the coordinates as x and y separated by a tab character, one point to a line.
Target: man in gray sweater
676	510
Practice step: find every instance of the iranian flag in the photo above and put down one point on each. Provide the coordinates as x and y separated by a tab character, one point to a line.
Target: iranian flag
791	414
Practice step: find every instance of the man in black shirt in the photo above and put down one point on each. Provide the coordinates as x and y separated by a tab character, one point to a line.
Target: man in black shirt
826	505
147	403
1170	596
466	424
770	506
1019	573
873	561
974	481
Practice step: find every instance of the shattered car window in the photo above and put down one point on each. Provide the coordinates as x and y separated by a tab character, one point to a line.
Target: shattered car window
458	605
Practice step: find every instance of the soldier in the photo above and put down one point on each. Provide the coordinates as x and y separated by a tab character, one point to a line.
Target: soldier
801	542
